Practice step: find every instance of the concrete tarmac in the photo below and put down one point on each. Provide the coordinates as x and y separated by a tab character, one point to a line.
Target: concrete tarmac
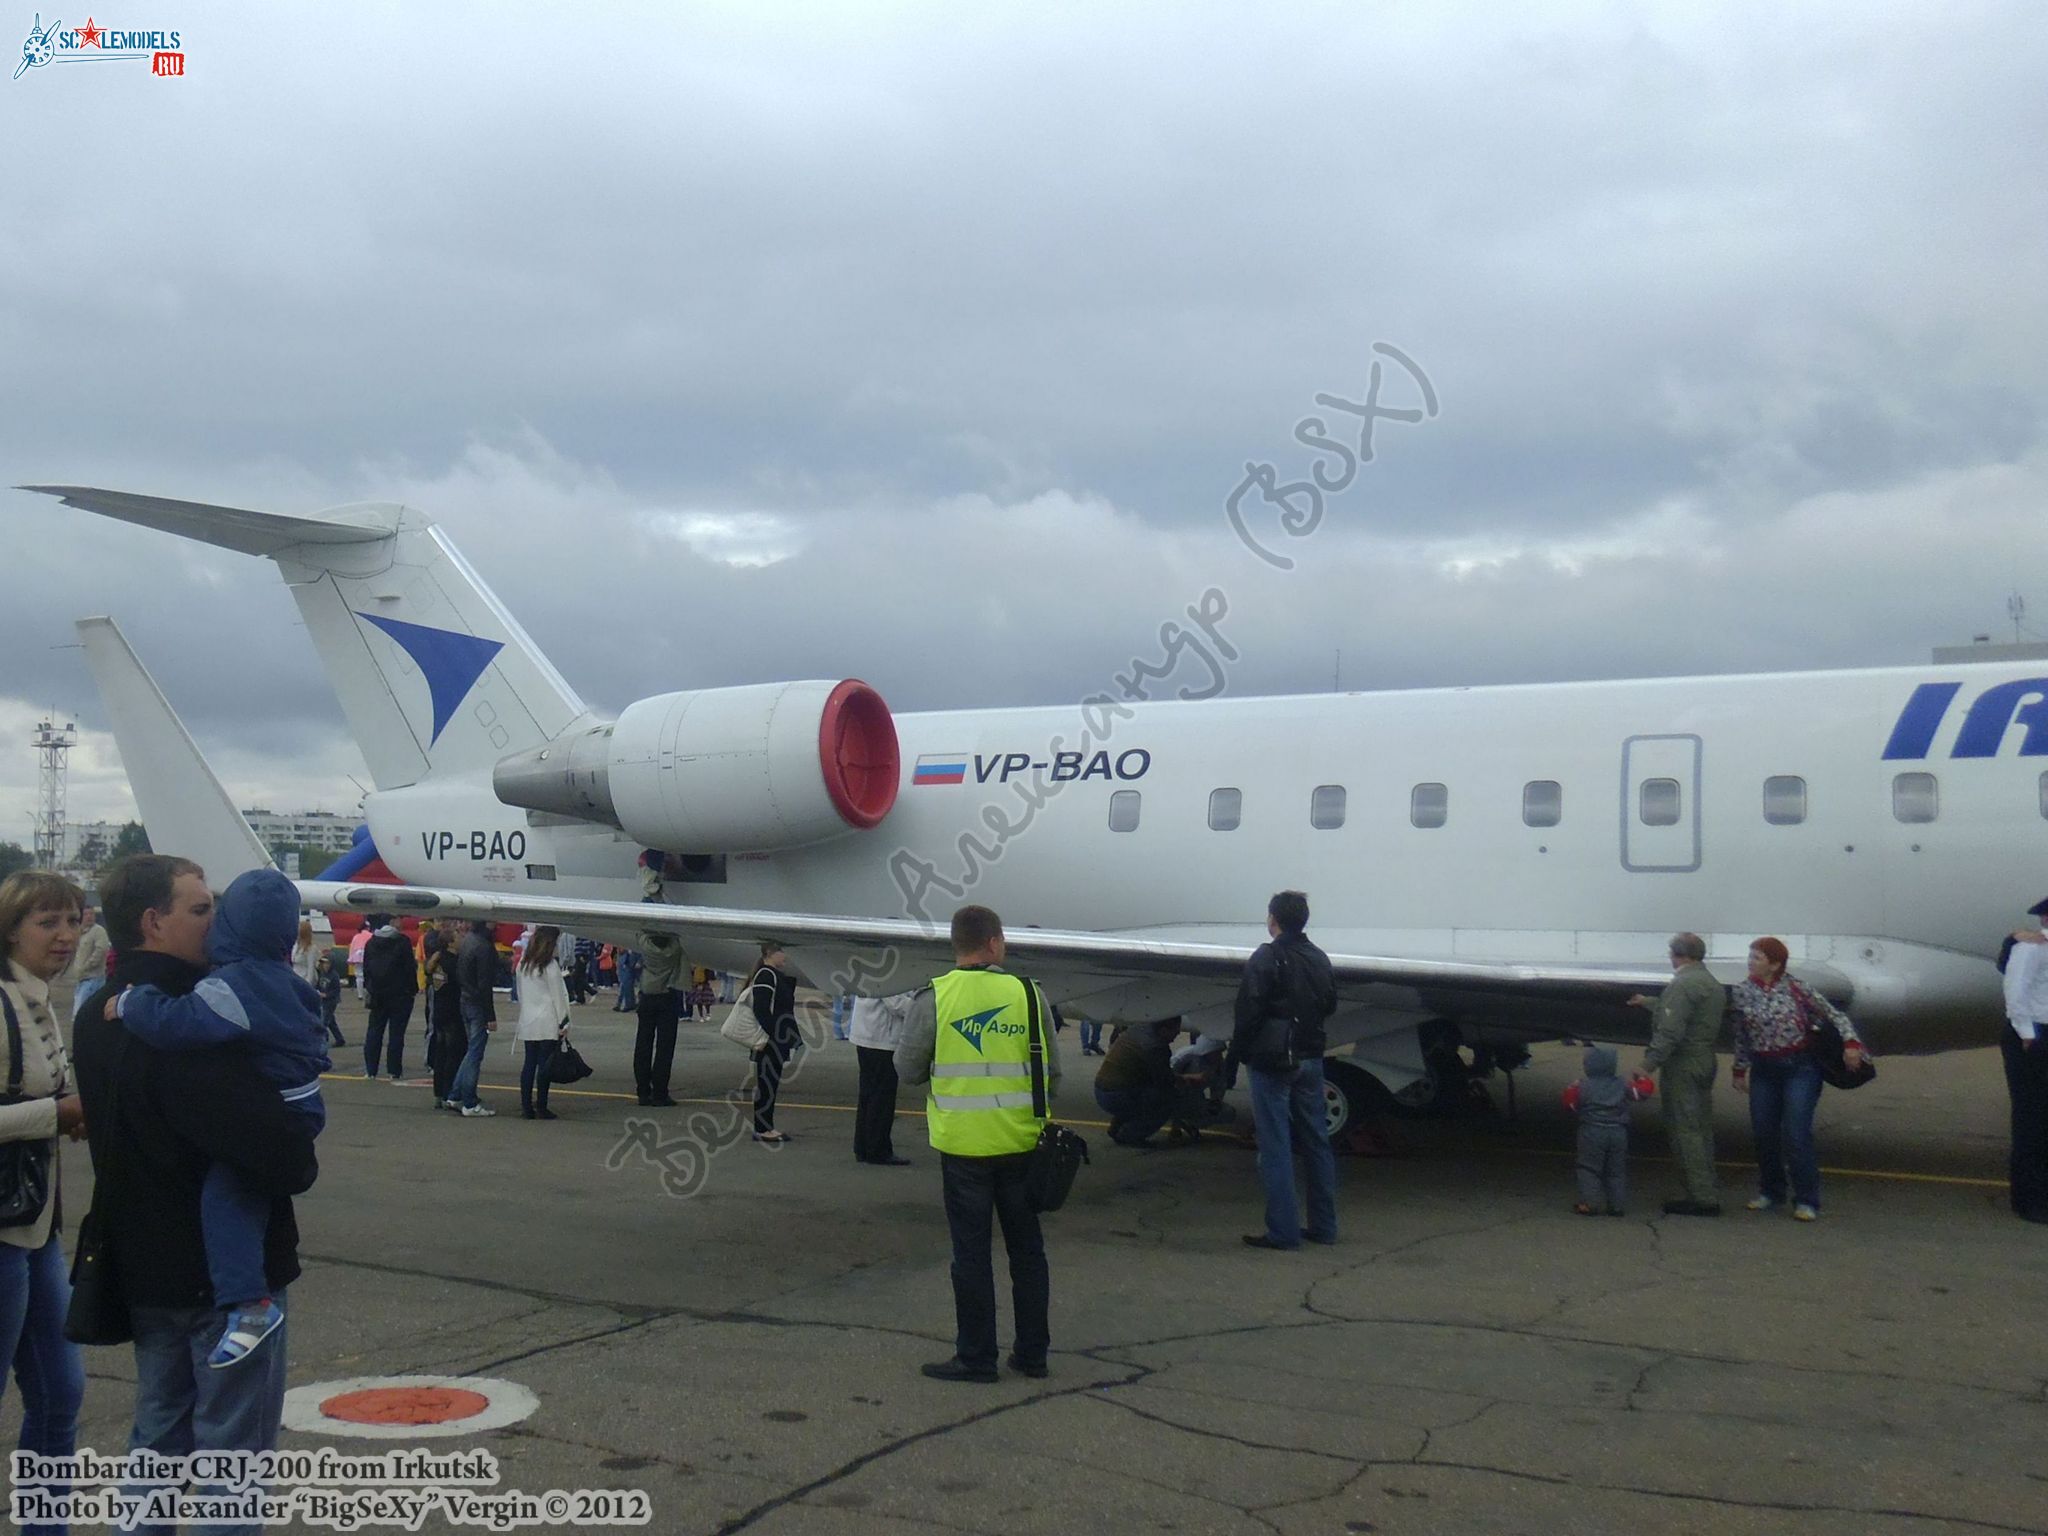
1471	1357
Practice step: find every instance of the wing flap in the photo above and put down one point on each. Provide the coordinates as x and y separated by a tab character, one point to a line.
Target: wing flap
1104	957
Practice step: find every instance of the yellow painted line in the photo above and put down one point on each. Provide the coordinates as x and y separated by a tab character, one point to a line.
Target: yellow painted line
1844	1173
1882	1174
606	1093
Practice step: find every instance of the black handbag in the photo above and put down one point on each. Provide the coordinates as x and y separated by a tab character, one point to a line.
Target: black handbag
1059	1153
24	1165
1824	1041
568	1065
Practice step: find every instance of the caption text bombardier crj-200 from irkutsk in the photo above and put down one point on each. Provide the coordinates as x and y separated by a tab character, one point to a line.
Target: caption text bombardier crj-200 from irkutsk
1506	860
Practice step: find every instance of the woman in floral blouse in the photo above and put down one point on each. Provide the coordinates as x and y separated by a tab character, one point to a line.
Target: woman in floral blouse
1775	1066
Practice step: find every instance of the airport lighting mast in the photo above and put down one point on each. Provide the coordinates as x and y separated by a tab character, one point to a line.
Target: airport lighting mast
53	745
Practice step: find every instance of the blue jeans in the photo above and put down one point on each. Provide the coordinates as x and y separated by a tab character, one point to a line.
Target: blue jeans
463	1089
233	1219
1091	1036
1782	1098
842	1010
1290	1115
182	1406
35	1293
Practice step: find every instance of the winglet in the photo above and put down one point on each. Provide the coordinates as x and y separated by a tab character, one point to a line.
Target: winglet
184	808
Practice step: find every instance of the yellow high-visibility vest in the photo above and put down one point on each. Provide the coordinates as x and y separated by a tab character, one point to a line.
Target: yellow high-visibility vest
979	1102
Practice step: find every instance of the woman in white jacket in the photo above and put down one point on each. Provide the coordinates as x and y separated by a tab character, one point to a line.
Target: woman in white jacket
543	1019
39	924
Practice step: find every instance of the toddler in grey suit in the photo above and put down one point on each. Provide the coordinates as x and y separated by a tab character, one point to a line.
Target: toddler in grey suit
1601	1100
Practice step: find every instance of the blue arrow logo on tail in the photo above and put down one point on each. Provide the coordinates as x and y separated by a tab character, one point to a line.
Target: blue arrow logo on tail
451	663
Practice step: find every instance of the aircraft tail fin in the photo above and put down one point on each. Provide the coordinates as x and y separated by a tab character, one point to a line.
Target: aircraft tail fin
184	808
434	674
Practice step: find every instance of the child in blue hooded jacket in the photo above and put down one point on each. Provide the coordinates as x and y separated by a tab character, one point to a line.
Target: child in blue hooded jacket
252	995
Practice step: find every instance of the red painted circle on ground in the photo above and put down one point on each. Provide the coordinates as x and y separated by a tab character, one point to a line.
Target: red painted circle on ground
406	1405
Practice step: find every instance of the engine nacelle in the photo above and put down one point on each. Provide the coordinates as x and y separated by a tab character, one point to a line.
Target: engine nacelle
722	770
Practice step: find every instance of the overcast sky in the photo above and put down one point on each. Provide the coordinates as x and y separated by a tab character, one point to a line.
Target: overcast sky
929	343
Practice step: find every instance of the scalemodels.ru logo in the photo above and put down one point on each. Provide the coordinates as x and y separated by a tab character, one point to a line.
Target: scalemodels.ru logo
93	43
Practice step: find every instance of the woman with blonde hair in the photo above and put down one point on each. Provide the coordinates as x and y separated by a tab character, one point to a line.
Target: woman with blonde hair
39	927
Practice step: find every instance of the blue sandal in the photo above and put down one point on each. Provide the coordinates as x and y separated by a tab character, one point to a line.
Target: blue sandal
247	1328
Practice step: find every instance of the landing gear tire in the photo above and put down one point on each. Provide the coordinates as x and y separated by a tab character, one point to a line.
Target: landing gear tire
1344	1093
1356	1101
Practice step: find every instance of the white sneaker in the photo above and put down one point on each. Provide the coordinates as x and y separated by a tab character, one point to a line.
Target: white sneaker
477	1112
1805	1213
1763	1203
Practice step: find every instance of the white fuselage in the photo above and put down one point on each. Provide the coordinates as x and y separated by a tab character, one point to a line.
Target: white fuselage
1912	910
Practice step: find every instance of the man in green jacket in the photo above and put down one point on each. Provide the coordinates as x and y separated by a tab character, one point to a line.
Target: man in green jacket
1688	1024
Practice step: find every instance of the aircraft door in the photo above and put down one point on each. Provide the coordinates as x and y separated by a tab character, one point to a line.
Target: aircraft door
1660	804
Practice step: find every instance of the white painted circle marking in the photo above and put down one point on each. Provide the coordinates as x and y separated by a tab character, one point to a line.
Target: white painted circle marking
505	1403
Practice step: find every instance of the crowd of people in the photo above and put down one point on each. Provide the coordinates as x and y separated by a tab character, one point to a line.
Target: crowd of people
200	1034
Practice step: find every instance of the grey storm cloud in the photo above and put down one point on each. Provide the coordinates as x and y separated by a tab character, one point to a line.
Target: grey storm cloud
926	344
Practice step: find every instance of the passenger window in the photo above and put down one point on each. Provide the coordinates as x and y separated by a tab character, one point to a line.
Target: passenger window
1785	800
1542	803
1123	811
1226	809
1429	805
2044	794
1326	806
1915	797
1660	803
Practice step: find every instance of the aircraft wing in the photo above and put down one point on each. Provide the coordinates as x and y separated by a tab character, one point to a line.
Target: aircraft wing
865	954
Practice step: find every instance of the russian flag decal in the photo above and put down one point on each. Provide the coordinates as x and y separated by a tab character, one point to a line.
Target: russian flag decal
940	768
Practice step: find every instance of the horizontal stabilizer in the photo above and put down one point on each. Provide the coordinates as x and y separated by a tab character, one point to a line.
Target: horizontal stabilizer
236	528
184	809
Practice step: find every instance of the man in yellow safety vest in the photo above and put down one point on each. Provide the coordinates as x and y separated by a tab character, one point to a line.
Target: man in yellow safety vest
971	1035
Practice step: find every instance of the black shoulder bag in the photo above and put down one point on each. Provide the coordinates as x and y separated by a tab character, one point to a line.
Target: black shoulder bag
1273	1046
24	1165
1060	1152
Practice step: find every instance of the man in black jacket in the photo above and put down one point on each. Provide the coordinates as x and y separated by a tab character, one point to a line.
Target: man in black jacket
447	1040
391	980
476	973
159	1120
1285	999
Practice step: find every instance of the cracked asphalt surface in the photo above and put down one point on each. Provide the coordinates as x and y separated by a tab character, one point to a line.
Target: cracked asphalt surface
1470	1357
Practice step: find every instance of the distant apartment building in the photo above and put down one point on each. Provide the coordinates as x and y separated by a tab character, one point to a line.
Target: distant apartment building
87	843
305	829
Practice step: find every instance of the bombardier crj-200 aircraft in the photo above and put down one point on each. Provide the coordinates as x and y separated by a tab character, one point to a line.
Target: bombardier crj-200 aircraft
1497	865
